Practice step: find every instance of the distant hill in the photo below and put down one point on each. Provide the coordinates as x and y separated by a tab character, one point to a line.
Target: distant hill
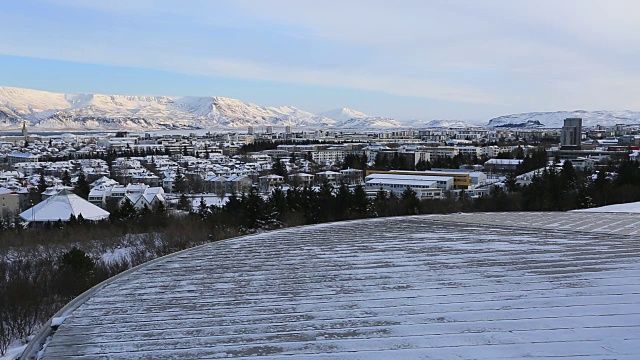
555	119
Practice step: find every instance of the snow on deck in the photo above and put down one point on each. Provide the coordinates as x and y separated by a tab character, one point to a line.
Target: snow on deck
413	287
633	207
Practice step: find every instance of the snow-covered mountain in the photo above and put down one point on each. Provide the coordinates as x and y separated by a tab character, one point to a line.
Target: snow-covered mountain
438	124
353	119
44	110
556	119
344	114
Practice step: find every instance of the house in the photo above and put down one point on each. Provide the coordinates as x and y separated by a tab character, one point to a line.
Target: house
351	176
101	195
148	199
301	179
269	182
9	201
331	177
238	184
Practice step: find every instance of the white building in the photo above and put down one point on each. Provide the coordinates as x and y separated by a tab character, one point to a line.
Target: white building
426	187
101	194
442	182
61	207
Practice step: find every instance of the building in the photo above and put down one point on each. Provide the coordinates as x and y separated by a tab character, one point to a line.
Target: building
571	135
61	207
301	179
147	199
25	132
332	155
461	179
16	157
441	182
332	178
101	195
269	182
501	165
9	201
352	176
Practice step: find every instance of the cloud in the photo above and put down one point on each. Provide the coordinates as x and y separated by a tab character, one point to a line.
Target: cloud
539	55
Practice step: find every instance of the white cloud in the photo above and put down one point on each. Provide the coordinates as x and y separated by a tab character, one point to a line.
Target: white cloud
522	54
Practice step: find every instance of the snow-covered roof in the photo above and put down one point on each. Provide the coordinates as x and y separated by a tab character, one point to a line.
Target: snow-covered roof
61	206
402	177
504	161
440	287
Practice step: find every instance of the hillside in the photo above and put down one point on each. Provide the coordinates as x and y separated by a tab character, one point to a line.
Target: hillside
555	119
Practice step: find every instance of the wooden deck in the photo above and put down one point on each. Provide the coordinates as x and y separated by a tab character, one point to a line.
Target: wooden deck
483	286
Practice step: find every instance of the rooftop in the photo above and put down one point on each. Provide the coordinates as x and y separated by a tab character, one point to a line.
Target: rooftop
483	286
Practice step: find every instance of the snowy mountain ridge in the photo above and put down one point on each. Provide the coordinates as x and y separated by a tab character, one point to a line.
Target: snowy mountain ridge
56	111
556	119
43	110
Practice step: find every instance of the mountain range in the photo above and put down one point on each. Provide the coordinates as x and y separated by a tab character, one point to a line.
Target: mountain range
556	119
55	111
43	110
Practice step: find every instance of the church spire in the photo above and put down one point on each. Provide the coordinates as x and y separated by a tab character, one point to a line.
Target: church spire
25	133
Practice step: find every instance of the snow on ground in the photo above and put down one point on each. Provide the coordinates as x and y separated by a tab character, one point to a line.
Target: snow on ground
482	286
14	351
633	207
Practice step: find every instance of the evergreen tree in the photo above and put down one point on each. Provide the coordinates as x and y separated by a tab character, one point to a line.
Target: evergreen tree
180	184
127	210
423	165
410	201
184	203
42	184
66	178
203	210
380	203
359	203
82	186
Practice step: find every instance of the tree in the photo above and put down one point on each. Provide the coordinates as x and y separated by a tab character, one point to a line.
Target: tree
127	210
180	184
278	168
423	165
410	201
203	209
184	203
77	270
82	186
42	183
66	178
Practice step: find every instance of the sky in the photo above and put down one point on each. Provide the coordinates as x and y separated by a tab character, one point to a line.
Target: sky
406	59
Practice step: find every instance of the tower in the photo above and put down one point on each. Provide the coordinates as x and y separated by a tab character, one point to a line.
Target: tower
25	132
571	135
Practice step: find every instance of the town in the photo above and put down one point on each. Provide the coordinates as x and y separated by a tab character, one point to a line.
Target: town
181	171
